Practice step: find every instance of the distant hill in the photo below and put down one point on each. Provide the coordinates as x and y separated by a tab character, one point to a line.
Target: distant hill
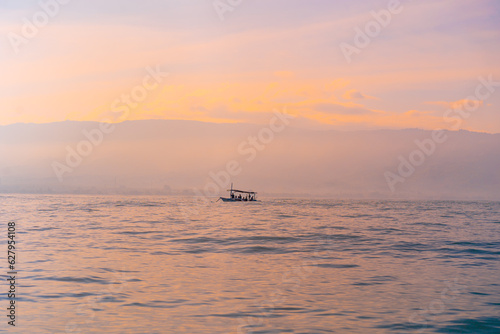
173	157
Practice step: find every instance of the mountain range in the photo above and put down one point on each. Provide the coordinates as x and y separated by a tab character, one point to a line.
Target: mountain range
190	157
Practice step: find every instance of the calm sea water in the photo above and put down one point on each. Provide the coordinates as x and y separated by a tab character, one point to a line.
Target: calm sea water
104	264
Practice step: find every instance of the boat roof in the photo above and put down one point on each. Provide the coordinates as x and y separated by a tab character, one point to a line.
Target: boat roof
242	191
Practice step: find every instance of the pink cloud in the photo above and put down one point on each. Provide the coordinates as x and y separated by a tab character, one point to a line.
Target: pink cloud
459	104
354	94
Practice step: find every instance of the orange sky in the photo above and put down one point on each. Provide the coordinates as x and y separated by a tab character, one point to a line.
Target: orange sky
262	56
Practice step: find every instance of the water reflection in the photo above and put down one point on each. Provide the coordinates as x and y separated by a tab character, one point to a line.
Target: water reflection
135	265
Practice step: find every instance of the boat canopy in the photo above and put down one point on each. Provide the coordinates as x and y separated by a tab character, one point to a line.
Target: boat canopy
242	191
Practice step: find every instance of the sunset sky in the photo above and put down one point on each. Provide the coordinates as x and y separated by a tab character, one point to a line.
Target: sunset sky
259	55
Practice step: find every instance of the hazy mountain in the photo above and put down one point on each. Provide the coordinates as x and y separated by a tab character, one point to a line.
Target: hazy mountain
165	157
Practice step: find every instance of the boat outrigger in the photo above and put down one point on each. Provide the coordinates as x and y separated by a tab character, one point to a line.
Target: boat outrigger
239	196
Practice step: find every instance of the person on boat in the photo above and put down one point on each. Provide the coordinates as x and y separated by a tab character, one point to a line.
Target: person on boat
232	195
239	197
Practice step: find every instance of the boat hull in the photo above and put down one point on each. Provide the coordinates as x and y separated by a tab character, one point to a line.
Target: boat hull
226	199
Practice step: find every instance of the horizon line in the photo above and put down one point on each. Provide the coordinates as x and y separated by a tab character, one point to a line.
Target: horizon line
246	123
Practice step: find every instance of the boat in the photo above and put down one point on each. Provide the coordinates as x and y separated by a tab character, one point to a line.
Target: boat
239	196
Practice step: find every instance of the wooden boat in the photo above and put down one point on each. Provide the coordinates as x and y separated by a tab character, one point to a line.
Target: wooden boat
239	196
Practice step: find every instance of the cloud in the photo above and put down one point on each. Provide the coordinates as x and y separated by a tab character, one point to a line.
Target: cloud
284	74
418	113
354	94
338	109
254	66
460	104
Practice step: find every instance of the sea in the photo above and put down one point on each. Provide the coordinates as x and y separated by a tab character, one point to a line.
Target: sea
152	264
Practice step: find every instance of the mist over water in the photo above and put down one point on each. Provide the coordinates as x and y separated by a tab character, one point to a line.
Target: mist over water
124	264
297	162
